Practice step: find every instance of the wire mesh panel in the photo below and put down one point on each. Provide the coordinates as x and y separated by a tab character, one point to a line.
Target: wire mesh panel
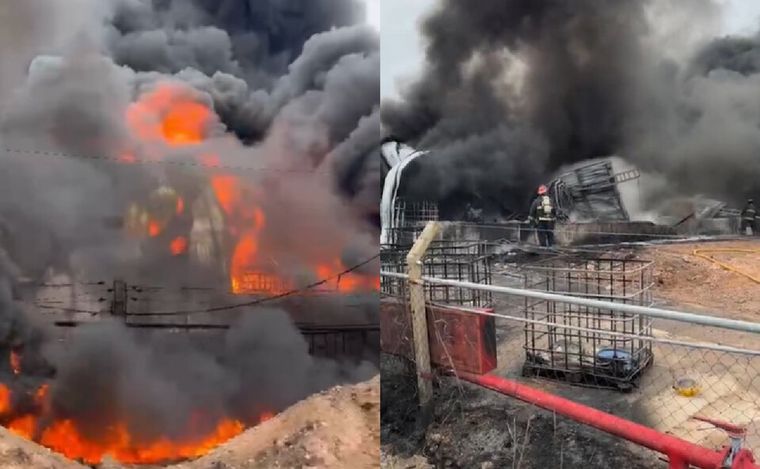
409	219
407	213
393	259
466	261
591	346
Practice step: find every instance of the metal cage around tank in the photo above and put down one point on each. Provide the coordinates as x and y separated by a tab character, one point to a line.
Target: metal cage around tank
600	347
467	261
409	219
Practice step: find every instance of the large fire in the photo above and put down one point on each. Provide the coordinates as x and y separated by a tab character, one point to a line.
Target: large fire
64	436
172	116
31	416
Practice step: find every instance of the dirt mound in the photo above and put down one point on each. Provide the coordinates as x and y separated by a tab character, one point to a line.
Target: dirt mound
20	453
339	428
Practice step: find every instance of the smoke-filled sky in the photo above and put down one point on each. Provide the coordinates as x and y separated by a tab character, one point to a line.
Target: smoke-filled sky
403	46
292	86
506	93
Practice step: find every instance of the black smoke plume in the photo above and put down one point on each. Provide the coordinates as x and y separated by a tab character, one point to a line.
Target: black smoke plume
547	83
292	86
157	387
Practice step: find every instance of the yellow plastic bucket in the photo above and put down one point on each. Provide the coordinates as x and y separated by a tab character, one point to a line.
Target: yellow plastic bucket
686	387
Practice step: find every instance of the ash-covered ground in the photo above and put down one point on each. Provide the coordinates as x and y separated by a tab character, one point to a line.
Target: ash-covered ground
473	427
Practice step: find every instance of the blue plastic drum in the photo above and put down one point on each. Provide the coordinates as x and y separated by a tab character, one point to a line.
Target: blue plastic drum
609	354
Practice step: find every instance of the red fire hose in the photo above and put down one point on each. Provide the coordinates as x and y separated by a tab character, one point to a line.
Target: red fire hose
680	453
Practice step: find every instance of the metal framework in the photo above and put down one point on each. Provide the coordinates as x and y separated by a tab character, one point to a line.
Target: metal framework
409	219
454	260
592	353
591	192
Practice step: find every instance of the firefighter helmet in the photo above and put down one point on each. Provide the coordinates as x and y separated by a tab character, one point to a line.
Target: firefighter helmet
542	189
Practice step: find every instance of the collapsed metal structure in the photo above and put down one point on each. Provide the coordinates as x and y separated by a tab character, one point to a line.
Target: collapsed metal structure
590	192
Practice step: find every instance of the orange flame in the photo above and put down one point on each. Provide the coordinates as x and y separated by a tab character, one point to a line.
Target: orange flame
5	400
15	360
348	282
23	426
180	205
246	221
64	436
169	114
228	193
178	245
154	228
128	158
247	274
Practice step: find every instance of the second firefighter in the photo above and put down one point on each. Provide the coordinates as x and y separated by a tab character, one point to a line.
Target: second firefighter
543	217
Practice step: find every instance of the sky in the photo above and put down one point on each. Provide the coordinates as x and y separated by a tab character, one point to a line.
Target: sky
373	13
402	52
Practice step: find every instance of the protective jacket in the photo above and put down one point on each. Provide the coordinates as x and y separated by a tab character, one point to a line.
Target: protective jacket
749	212
542	209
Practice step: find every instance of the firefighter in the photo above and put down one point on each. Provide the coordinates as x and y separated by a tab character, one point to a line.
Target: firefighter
542	216
749	215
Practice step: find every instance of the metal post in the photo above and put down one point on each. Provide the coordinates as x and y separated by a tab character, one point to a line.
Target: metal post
419	316
119	303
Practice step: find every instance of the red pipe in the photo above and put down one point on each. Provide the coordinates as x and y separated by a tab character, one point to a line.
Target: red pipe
680	452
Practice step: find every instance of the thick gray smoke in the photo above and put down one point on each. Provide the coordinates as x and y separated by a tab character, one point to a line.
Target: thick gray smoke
300	109
293	90
513	90
160	388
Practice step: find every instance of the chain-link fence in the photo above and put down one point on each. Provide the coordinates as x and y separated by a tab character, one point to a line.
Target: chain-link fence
655	371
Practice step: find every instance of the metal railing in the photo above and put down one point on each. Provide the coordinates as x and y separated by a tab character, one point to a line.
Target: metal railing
724	380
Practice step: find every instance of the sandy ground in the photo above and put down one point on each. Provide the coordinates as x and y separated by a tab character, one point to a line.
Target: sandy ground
336	429
729	388
339	428
698	284
19	453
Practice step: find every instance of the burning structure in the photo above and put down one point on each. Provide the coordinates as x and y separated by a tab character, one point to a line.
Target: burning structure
512	92
181	143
